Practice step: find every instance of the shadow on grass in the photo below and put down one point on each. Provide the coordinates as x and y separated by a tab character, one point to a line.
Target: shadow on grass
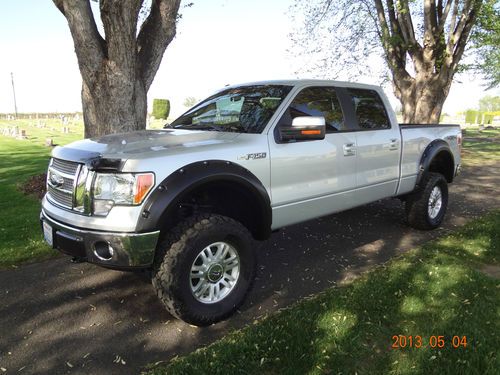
432	291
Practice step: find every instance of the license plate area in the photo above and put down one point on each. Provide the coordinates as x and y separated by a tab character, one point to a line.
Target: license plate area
48	234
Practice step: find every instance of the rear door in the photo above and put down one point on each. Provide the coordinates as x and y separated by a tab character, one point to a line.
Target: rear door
313	178
378	146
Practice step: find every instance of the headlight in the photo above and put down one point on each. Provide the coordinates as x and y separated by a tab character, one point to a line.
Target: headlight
120	189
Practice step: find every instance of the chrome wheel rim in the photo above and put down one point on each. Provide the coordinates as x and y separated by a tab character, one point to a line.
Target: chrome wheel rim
435	202
214	272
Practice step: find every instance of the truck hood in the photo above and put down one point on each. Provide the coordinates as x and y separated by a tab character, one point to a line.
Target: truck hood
140	144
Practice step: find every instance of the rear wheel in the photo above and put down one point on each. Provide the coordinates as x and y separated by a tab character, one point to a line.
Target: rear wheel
204	268
426	207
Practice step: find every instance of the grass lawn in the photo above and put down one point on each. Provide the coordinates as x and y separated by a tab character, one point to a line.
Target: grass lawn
21	239
19	227
481	150
437	291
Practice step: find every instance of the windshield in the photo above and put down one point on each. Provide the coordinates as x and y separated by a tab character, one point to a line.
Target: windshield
245	109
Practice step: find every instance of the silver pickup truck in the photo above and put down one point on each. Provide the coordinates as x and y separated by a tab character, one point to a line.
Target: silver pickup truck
187	202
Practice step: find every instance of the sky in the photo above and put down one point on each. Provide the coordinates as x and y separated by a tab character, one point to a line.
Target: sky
218	42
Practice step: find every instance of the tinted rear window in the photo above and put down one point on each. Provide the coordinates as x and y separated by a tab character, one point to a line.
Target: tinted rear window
369	109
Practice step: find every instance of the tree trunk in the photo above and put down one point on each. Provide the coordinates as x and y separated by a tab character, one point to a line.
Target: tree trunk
446	28
423	99
118	70
113	103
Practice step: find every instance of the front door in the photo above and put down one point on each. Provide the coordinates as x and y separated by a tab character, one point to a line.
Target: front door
313	178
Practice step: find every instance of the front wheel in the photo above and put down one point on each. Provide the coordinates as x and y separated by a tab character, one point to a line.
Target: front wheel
426	207
204	268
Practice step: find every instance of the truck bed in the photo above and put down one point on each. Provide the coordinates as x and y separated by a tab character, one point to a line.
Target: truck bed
415	139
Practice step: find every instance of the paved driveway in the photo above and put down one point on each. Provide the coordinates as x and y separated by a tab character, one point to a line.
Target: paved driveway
57	317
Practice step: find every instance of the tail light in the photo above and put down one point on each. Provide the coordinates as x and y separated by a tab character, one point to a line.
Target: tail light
459	141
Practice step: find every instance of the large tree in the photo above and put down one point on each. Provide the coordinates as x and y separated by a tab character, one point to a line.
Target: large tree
489	103
118	67
421	41
485	39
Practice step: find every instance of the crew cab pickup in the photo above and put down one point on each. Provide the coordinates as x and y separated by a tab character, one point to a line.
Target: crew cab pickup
187	202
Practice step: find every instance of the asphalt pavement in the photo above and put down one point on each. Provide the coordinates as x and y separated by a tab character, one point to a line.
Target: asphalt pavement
57	317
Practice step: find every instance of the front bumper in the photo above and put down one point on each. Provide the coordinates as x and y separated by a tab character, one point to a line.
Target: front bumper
129	250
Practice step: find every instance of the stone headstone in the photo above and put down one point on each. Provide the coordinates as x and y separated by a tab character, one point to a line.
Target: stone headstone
49	142
22	135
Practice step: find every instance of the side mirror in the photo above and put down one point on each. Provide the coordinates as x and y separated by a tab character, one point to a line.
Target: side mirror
303	128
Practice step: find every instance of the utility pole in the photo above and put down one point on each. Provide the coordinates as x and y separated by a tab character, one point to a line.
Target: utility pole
13	92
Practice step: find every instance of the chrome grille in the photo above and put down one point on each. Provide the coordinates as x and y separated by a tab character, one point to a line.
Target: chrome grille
64	166
59	197
61	193
68	184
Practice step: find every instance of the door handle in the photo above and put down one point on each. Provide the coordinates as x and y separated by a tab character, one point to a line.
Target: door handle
394	144
349	149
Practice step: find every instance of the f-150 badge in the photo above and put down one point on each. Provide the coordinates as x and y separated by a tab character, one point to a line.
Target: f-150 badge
258	155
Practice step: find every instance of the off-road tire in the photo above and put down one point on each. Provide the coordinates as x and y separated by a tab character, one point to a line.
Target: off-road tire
417	203
175	255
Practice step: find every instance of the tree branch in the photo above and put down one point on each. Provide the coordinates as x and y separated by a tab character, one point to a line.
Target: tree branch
119	19
392	18
394	60
443	15
453	23
463	19
453	33
155	35
459	34
430	15
430	37
465	32
401	46
407	25
413	47
384	31
89	44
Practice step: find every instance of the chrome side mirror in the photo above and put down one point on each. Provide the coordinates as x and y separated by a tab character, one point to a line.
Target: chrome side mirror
303	128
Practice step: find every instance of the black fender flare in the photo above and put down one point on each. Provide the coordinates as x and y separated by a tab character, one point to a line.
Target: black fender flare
430	152
170	191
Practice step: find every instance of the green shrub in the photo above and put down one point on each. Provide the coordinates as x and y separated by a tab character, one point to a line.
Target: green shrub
488	118
479	119
470	116
161	108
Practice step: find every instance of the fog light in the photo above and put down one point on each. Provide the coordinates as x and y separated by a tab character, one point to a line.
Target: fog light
103	250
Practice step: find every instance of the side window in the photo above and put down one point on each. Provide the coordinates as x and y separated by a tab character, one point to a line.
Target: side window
316	101
370	111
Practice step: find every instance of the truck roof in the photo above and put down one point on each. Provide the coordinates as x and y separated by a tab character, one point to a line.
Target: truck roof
307	82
